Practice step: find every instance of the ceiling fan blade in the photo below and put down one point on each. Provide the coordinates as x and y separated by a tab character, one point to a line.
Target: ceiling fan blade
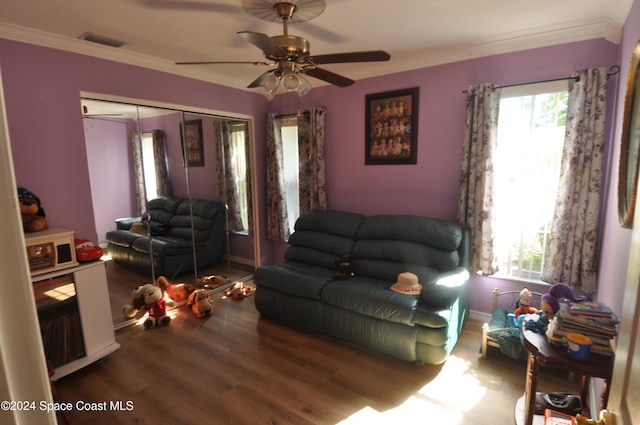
365	56
264	43
328	76
260	79
221	63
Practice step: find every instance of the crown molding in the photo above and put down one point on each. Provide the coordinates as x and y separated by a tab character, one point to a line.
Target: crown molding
504	43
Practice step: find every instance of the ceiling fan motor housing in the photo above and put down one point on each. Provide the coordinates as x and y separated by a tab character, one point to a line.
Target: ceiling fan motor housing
297	48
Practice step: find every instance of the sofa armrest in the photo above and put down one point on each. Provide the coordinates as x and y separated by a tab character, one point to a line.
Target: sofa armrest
445	288
125	223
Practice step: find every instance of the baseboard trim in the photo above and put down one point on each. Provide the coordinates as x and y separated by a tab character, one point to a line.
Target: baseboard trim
480	316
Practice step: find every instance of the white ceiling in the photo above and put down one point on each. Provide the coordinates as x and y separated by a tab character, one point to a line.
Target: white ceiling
416	33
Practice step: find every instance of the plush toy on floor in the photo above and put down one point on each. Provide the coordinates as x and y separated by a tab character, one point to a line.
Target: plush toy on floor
177	291
213	281
200	303
149	297
33	216
238	290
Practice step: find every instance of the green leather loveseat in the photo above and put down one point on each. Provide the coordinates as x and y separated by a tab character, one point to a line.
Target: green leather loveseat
172	243
302	291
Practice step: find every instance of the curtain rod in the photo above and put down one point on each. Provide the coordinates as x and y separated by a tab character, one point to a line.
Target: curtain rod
286	115
615	69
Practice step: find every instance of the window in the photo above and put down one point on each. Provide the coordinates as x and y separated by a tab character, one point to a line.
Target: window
149	166
531	128
238	166
289	131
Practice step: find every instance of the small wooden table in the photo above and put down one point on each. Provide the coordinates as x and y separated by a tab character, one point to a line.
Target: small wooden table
544	354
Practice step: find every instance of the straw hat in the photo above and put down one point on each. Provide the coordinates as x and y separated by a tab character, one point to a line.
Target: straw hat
407	284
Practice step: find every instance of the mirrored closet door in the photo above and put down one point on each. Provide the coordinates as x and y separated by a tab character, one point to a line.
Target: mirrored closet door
170	185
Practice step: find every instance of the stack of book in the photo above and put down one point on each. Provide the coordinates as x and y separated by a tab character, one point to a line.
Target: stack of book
592	319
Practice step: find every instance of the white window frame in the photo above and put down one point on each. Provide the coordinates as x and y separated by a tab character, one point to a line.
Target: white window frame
538	212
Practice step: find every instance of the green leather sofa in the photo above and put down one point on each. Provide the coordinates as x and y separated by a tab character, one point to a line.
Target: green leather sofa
172	243
302	291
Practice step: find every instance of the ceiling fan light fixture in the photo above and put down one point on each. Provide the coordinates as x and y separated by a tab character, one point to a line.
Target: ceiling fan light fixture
304	86
270	85
290	80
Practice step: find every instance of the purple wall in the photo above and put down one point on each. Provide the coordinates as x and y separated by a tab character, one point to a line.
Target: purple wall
617	240
431	187
45	84
109	159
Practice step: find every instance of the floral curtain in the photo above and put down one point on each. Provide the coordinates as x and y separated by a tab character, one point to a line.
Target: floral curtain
277	220
227	177
572	254
312	175
163	183
476	180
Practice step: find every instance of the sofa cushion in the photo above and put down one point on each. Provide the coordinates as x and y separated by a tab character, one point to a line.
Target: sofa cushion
164	246
370	297
321	236
442	234
339	223
293	278
124	237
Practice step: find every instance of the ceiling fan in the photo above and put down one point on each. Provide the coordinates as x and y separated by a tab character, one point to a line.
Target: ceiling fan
289	54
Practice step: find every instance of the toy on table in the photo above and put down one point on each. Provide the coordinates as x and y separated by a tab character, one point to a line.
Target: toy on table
33	216
87	250
550	304
149	297
200	303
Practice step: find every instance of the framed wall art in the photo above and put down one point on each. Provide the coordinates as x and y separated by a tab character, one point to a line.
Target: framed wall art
192	143
391	127
630	144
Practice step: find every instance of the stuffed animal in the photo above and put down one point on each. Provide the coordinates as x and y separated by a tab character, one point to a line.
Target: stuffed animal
200	303
213	281
562	291
33	216
177	291
149	297
550	304
346	266
238	290
525	304
87	250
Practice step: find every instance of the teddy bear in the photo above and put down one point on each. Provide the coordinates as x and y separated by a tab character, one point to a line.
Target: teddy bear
238	290
346	266
33	215
177	291
200	303
149	297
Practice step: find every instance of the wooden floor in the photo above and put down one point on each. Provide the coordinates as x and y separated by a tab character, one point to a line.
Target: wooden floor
122	282
236	367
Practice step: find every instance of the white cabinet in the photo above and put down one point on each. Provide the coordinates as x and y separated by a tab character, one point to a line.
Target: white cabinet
75	316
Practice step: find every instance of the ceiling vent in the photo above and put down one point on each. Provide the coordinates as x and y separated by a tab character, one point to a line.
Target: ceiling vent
100	39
